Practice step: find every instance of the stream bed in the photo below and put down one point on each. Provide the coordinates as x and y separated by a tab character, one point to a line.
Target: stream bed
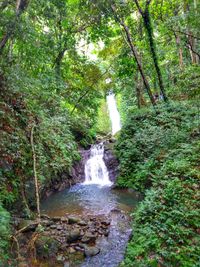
86	200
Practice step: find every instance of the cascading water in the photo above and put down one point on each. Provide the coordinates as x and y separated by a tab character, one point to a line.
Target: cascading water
114	113
95	169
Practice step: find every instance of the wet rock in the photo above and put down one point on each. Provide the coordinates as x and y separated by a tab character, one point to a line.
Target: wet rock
46	247
73	219
46	222
72	250
91	251
59	227
53	226
105	222
82	223
78	248
28	225
44	216
60	258
116	210
106	233
56	219
88	238
74	235
64	220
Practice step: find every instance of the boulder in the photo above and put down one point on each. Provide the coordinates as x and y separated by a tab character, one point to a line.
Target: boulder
73	219
88	238
91	251
28	225
56	219
74	235
46	247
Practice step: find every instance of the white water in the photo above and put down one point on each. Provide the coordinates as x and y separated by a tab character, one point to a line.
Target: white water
114	113
95	169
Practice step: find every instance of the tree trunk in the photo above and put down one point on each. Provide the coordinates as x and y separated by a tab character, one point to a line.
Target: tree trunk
135	54
35	174
180	50
21	5
148	26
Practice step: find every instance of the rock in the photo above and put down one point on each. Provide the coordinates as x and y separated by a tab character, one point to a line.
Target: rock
82	223
105	222
29	225
116	210
72	220
53	226
46	247
72	250
56	219
59	227
78	248
64	219
88	238
74	235
60	258
44	216
46	222
91	251
106	233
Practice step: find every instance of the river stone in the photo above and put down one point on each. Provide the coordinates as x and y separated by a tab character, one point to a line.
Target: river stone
28	224
91	251
59	227
72	220
64	219
74	235
88	237
56	219
72	250
82	223
105	222
44	216
46	247
53	226
46	222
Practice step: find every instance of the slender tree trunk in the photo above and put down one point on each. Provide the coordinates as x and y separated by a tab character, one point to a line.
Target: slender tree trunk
135	54
148	26
180	50
21	5
139	88
35	174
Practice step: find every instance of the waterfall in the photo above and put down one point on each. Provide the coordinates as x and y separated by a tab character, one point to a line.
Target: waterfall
95	169
114	114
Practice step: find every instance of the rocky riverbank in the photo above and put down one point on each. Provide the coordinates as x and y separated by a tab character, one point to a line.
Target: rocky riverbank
65	240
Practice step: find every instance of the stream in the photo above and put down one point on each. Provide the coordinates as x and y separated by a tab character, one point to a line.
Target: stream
97	196
92	199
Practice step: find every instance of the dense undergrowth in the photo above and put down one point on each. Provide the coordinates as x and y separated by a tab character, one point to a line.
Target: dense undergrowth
159	155
57	136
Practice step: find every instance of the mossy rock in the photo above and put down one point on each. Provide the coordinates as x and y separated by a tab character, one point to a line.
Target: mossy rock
46	247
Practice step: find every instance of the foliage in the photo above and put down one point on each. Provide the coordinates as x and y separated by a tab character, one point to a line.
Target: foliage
162	150
4	234
146	138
